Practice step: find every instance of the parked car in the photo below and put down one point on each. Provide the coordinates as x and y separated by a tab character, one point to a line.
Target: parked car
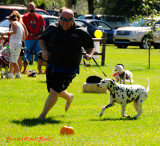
156	39
112	20
135	35
8	9
89	16
4	25
92	25
56	13
53	12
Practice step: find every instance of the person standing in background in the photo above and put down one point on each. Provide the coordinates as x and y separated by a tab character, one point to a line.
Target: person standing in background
25	35
35	25
15	44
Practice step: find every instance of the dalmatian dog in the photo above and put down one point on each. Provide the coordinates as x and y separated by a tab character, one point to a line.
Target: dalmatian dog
124	94
122	75
4	60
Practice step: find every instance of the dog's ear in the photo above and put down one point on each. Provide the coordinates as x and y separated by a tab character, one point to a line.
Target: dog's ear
121	64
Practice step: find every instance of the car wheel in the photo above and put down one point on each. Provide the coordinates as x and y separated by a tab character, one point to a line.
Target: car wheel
156	46
122	46
145	43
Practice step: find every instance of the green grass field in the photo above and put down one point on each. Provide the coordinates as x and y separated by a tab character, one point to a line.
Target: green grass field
22	100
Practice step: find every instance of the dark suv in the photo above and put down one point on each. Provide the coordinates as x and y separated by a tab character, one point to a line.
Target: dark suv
7	10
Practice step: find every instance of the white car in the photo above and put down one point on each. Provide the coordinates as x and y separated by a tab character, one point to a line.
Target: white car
136	34
4	25
156	39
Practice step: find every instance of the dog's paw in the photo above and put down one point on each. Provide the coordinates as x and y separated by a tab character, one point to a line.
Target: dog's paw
100	114
135	118
126	116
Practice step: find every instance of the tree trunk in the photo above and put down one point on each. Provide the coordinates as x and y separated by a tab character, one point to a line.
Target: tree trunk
90	7
68	4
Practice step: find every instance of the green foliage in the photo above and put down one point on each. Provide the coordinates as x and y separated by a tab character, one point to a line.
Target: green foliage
22	100
58	3
130	8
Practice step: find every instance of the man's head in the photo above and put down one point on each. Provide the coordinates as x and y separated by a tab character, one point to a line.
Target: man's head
31	7
67	19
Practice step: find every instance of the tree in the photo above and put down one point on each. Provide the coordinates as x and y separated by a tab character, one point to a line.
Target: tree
91	6
129	8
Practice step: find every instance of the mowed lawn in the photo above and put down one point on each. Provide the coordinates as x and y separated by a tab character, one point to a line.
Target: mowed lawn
22	100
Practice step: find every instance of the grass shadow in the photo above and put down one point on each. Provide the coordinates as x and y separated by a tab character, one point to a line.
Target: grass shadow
34	121
42	81
113	119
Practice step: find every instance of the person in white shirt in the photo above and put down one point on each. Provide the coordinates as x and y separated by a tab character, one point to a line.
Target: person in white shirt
15	44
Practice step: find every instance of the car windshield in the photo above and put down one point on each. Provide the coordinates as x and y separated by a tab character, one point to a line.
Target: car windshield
141	23
100	24
41	12
48	21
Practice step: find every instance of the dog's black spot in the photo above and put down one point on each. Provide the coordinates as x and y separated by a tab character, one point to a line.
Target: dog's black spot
129	95
120	102
112	82
128	101
110	86
114	95
141	101
137	98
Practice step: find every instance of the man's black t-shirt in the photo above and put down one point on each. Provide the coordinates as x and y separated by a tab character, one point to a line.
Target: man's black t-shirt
65	47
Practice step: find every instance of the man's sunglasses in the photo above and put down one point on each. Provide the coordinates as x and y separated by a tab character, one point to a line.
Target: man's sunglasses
68	20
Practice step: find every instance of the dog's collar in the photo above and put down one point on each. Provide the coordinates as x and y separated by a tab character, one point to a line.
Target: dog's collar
121	75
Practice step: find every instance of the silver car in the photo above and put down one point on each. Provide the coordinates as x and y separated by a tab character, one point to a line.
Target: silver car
135	35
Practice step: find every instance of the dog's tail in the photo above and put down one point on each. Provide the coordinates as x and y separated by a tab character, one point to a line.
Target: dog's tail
147	85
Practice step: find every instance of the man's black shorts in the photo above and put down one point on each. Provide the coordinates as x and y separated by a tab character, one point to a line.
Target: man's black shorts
58	81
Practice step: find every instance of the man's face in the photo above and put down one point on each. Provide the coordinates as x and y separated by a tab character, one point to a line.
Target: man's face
66	21
31	7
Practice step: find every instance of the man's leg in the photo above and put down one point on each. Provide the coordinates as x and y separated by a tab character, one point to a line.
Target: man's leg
50	102
68	96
